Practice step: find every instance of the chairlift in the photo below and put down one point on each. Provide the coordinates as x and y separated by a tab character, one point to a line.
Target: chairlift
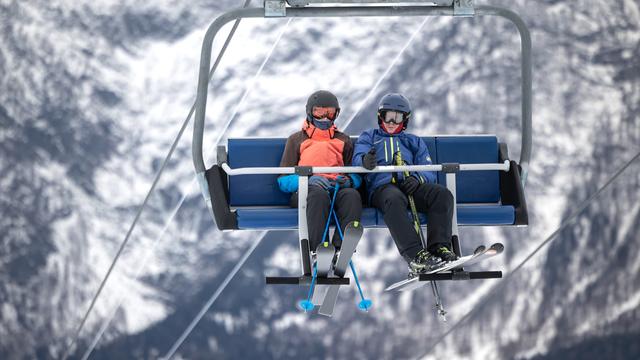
241	190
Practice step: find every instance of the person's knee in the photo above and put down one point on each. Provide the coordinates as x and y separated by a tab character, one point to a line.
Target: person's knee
395	202
318	196
350	195
444	198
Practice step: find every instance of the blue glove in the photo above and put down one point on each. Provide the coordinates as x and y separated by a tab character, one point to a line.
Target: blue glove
356	180
344	181
321	181
288	183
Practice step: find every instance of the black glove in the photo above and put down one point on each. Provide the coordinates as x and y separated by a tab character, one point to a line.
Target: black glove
409	185
369	159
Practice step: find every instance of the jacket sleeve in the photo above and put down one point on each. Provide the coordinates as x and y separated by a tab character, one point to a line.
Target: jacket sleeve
363	145
289	182
347	158
422	157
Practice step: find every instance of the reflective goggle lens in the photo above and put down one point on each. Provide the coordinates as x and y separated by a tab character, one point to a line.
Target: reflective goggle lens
394	117
325	112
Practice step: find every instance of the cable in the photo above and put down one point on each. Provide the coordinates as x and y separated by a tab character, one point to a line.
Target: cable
190	189
211	300
386	72
144	203
551	237
221	288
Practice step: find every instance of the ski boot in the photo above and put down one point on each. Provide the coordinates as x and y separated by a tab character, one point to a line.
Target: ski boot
445	254
423	261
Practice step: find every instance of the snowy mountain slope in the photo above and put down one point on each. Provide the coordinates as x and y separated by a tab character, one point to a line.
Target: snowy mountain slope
137	75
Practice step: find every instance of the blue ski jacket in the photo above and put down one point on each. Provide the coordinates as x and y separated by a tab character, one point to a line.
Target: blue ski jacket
413	149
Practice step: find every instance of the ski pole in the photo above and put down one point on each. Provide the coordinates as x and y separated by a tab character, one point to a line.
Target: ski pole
333	201
364	304
416	224
307	305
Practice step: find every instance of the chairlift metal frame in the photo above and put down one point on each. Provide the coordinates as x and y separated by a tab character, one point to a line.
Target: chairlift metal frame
366	8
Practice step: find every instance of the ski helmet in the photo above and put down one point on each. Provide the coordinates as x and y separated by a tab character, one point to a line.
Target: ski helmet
394	102
322	98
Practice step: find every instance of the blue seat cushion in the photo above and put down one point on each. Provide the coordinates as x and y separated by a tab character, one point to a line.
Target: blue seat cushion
471	186
284	218
472	215
287	218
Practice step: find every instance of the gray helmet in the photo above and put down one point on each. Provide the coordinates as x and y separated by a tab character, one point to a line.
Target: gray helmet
322	98
394	102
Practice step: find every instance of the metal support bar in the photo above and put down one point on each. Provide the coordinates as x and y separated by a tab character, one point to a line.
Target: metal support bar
221	154
451	185
275	8
450	167
302	170
461	275
305	280
463	8
303	226
298	3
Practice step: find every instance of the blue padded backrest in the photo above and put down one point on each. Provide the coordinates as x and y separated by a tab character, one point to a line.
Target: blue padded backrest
255	190
431	145
471	186
259	190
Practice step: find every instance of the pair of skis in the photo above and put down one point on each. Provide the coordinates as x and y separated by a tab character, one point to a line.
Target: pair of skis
325	267
481	253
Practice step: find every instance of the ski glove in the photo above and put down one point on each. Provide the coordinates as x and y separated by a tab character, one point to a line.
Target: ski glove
344	181
369	159
320	181
356	180
288	183
409	185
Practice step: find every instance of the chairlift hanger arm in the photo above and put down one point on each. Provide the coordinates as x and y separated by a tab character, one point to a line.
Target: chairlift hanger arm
359	11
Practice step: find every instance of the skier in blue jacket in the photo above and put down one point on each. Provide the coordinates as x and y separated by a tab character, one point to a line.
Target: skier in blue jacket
388	191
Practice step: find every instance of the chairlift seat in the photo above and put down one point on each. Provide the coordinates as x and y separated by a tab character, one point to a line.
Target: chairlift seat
259	203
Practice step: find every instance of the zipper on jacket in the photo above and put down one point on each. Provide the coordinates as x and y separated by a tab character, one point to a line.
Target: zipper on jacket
386	160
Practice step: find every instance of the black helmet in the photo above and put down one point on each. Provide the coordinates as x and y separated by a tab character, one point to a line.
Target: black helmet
394	102
322	98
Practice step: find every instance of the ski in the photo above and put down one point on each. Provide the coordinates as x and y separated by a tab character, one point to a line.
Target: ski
413	277
324	258
481	253
352	234
493	250
477	257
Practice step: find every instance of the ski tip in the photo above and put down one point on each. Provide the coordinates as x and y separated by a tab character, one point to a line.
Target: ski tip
365	305
499	247
305	305
480	249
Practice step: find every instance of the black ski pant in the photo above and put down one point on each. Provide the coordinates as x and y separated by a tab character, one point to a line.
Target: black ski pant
348	207
434	200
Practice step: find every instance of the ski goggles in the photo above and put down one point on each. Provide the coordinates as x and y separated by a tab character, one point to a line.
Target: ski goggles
393	117
324	112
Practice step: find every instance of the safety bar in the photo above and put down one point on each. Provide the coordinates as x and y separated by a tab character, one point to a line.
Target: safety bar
362	11
505	166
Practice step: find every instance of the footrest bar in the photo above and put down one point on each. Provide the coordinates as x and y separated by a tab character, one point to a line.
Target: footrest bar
305	280
461	275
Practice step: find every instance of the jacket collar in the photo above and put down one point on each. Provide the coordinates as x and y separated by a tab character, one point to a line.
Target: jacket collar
316	133
381	132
